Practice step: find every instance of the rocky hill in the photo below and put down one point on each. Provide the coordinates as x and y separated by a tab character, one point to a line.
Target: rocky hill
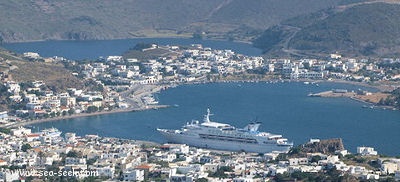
13	67
328	146
23	20
360	29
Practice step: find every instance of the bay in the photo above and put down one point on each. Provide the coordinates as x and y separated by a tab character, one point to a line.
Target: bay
93	49
283	108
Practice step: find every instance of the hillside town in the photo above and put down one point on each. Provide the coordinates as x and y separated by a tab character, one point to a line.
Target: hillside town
29	155
108	91
195	63
126	83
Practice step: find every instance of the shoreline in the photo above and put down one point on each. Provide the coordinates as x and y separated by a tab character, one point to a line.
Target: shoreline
144	90
122	38
372	99
81	115
136	105
380	87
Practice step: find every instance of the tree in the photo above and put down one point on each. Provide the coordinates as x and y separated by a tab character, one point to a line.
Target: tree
25	147
220	173
202	180
91	161
282	177
52	114
92	109
295	150
71	111
299	175
74	153
5	130
315	158
197	36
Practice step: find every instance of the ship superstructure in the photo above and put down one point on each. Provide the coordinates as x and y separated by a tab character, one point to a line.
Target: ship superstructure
222	136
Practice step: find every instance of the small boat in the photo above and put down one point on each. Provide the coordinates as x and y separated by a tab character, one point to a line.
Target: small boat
149	100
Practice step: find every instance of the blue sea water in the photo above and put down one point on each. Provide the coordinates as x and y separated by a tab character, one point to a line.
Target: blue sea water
283	108
93	49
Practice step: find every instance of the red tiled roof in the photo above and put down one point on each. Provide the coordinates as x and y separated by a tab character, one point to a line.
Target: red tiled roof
63	107
165	146
33	135
143	166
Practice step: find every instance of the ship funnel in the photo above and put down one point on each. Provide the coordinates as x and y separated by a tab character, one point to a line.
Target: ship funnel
252	127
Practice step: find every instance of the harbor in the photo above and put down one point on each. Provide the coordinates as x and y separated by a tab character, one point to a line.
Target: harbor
267	103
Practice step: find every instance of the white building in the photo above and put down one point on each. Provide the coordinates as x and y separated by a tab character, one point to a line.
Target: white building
336	56
20	131
13	87
177	148
298	161
133	175
74	161
366	151
115	58
3	116
70	137
107	171
243	179
370	176
274	170
32	55
181	178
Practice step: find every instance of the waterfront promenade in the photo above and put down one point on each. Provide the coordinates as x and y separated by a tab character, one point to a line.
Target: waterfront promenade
132	96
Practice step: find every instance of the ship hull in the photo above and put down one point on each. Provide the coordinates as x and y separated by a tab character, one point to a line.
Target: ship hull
196	141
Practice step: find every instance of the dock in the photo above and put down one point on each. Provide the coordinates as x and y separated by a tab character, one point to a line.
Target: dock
372	98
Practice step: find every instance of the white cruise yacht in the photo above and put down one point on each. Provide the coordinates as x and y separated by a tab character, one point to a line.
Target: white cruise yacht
221	136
